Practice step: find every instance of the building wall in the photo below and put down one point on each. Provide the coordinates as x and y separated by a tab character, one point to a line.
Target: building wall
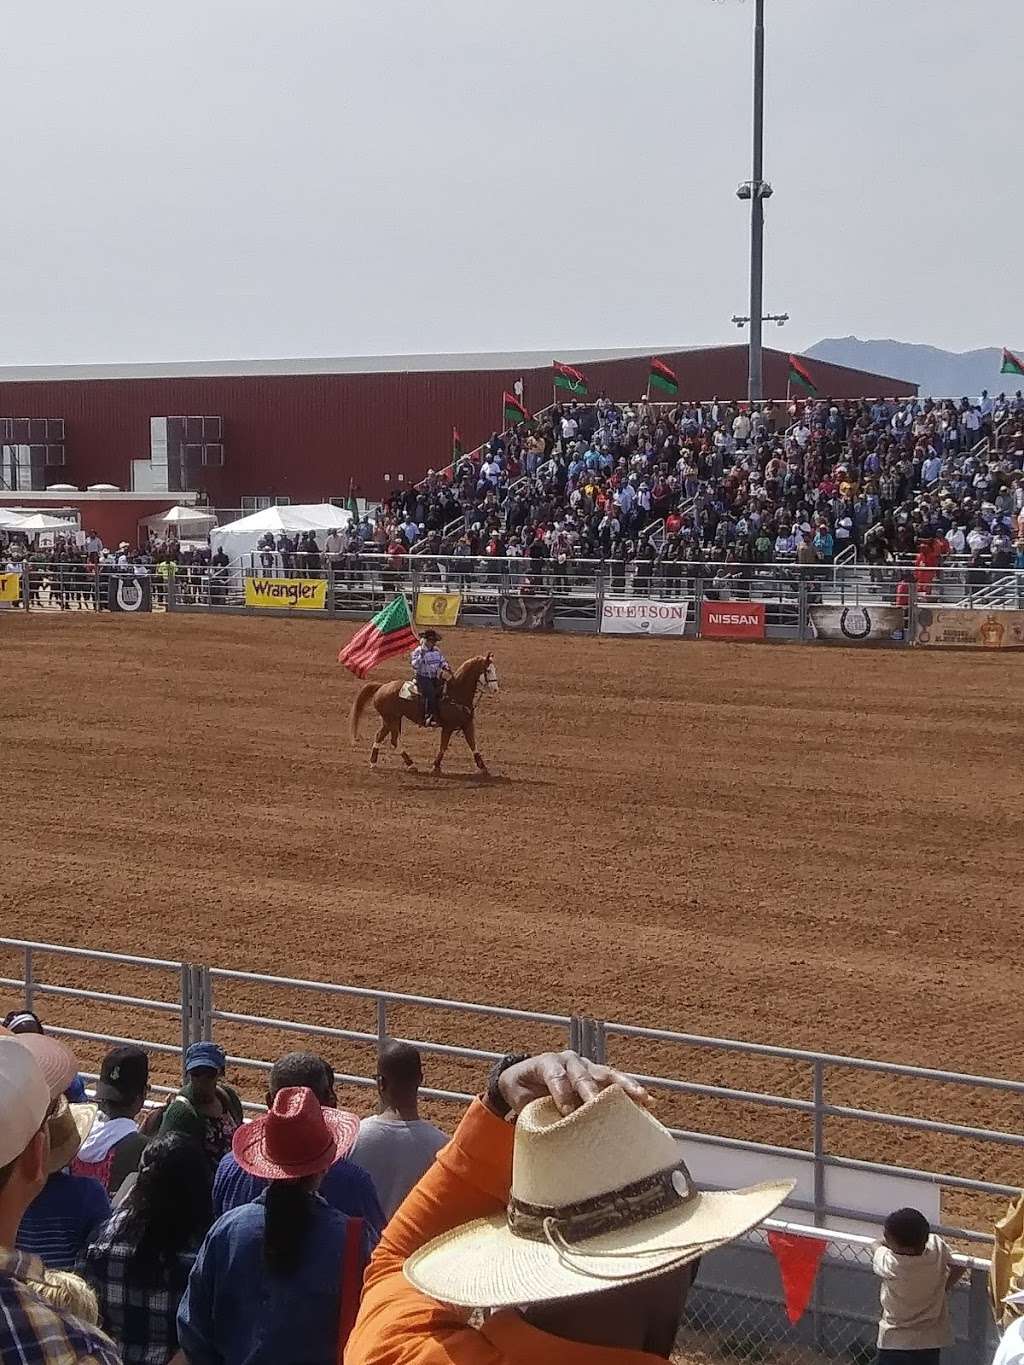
307	436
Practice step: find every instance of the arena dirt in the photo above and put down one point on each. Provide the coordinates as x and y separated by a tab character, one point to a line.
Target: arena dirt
793	844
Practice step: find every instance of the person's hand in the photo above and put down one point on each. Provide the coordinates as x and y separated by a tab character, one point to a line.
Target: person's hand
569	1079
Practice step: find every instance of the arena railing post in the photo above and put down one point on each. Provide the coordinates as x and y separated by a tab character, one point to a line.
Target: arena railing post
382	1021
25	590
911	631
979	1317
170	592
802	612
29	978
820	1199
598	597
332	606
185	971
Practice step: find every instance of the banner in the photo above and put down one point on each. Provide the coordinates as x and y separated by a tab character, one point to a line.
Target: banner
799	1259
526	613
307	594
972	629
438	608
732	620
125	592
854	624
641	616
10	587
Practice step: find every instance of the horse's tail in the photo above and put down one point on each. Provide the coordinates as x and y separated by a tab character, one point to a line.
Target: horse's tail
358	707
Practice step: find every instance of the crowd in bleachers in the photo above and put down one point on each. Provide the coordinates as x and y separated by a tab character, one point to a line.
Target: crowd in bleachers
561	1213
800	482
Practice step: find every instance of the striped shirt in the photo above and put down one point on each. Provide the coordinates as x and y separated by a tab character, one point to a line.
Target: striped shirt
427	661
62	1218
34	1333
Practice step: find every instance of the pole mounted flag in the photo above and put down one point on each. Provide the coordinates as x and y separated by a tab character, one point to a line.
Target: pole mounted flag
798	375
570	379
513	412
1012	364
661	377
457	451
388	633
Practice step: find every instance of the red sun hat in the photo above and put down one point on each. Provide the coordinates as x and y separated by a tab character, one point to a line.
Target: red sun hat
296	1138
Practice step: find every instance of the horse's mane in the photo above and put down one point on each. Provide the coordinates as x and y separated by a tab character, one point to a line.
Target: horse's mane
478	661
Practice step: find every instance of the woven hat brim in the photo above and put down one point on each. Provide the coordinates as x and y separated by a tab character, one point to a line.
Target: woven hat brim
250	1147
84	1117
55	1061
482	1265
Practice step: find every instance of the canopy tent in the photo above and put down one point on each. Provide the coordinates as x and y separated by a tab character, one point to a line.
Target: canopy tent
183	520
240	538
11	521
39	521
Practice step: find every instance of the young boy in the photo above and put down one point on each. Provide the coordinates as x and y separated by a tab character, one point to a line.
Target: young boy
916	1269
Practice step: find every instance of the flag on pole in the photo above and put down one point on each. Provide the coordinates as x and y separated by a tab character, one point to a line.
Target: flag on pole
661	377
388	633
513	410
798	375
351	505
457	451
566	377
1012	364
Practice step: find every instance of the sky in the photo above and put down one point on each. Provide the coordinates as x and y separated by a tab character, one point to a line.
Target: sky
212	179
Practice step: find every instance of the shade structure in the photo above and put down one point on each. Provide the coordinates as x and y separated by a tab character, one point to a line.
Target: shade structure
11	521
182	516
39	521
240	538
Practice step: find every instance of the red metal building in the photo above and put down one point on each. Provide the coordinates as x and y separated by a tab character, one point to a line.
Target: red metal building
306	429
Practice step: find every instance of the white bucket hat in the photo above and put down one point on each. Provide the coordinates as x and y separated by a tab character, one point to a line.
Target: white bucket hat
599	1198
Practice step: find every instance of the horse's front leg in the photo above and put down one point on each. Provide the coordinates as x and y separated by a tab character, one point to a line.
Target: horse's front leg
478	758
378	741
446	735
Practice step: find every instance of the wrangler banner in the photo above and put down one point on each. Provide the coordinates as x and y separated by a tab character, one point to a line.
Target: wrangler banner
438	608
10	587
307	594
970	629
640	616
854	624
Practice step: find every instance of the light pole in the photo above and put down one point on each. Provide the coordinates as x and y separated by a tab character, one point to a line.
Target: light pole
757	190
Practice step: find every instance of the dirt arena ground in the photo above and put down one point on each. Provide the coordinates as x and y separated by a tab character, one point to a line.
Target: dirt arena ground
802	845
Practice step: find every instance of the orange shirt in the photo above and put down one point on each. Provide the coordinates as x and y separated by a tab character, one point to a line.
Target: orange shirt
397	1325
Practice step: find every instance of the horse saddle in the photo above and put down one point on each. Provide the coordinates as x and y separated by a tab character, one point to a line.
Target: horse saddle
409	691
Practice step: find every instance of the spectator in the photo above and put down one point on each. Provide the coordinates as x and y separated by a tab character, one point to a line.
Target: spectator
1010	1350
267	1286
916	1269
139	1262
111	1151
395	1145
69	1208
206	1108
32	1330
24	1021
486	1229
346	1186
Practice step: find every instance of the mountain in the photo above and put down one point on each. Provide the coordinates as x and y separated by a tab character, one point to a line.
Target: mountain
946	374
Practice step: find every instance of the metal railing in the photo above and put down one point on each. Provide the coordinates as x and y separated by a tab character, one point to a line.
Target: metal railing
201	1007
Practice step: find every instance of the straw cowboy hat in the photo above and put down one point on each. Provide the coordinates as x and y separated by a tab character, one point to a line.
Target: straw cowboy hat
296	1138
599	1198
69	1126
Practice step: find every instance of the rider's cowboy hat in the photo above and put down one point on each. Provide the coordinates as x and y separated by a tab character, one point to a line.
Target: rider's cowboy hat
600	1198
431	635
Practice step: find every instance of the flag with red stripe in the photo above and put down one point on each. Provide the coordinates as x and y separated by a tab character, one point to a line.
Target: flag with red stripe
568	377
388	633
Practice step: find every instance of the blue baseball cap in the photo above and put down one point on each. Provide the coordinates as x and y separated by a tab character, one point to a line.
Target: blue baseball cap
201	1055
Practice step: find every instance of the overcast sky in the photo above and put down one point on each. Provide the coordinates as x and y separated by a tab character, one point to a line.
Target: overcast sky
223	179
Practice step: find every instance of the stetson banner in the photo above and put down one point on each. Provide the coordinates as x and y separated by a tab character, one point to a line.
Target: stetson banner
128	593
641	616
855	624
305	594
438	608
517	611
10	587
971	629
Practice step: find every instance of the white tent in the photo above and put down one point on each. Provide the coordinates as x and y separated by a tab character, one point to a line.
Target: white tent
240	538
190	523
39	521
11	521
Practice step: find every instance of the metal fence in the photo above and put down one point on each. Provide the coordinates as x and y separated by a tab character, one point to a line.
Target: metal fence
736	1309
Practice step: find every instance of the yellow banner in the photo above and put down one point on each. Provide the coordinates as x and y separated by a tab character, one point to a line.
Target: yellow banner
972	629
10	587
438	608
307	594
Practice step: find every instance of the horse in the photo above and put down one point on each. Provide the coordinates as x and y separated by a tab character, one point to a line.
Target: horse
470	680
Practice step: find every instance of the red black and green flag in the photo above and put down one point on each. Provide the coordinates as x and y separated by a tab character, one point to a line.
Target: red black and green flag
388	633
798	375
566	377
1012	364
513	410
457	451
661	377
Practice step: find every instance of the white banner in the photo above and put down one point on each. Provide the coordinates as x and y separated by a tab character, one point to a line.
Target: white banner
641	616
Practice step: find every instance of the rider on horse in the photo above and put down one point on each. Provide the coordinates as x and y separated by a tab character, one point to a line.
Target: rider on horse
431	669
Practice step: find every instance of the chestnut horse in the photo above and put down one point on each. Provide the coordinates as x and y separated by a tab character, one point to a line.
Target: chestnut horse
470	680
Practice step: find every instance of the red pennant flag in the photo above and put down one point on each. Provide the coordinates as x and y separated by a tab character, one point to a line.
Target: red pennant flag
798	1258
